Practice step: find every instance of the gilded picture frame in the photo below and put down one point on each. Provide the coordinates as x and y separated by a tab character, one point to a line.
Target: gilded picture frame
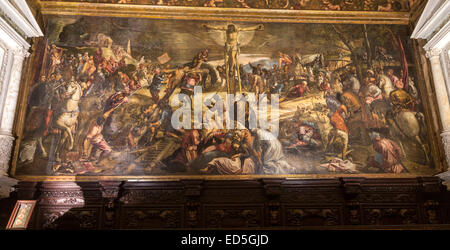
51	9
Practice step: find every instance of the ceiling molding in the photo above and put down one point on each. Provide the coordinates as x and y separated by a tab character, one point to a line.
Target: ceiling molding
22	4
441	39
222	14
11	37
21	17
435	13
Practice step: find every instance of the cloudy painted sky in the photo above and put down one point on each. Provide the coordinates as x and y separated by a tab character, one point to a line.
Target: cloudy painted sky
183	39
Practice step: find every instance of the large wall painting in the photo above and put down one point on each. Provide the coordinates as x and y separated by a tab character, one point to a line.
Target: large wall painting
348	100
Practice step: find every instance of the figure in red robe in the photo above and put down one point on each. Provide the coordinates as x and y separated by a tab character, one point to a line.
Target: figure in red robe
298	90
388	155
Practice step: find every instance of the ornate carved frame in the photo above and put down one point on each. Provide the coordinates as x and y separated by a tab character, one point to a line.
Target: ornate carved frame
229	14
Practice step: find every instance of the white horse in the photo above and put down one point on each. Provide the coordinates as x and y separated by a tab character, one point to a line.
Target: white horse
407	125
69	116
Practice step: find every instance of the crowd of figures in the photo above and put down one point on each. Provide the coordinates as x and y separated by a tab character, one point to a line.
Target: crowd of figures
98	110
335	5
346	111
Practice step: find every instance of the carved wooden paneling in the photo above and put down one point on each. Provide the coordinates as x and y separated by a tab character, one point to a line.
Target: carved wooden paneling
241	192
151	217
61	194
391	216
69	219
233	216
308	216
260	203
311	195
388	197
152	196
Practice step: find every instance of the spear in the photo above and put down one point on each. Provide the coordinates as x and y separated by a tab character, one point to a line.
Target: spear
106	114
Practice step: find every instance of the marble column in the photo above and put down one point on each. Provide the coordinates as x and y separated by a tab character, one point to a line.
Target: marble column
12	72
442	97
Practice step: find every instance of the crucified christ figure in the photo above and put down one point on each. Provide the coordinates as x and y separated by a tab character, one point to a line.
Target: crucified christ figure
231	52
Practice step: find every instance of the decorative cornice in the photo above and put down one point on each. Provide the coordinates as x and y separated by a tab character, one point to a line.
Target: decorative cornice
223	14
10	37
433	16
30	30
25	8
440	39
339	5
